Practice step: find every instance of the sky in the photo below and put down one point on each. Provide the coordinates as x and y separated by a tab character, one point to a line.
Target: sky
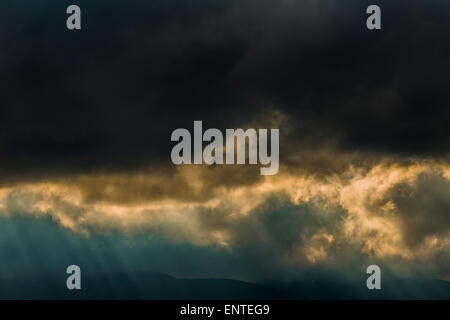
86	118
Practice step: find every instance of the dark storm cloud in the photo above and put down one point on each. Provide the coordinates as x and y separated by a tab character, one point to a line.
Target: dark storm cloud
108	97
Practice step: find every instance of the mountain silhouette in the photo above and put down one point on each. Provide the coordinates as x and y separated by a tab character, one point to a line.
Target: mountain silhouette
153	285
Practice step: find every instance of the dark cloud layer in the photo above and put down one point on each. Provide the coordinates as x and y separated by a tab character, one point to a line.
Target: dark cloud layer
108	97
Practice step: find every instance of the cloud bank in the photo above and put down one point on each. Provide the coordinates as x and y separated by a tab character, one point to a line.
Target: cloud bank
86	118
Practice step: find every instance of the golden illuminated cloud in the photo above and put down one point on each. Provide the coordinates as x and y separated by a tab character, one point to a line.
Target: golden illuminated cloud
385	209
